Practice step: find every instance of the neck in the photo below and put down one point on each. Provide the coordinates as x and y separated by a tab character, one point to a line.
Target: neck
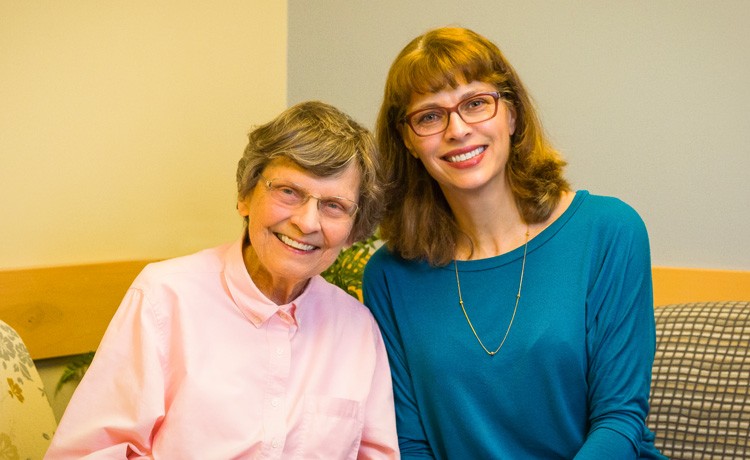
490	221
278	289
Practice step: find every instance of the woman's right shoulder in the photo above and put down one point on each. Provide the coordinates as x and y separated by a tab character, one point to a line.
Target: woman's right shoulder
166	271
385	260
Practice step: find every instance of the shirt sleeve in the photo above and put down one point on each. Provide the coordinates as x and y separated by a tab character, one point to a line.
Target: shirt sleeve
412	439
379	439
620	343
120	401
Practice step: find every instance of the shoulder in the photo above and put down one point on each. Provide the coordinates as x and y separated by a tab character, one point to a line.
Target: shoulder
609	213
182	269
325	295
334	307
608	226
383	260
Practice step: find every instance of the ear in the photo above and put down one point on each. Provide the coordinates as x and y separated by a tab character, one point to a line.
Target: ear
242	207
511	119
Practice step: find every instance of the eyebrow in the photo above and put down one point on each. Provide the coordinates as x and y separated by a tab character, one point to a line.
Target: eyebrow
432	105
307	190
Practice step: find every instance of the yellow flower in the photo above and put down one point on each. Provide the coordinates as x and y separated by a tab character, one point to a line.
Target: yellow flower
15	390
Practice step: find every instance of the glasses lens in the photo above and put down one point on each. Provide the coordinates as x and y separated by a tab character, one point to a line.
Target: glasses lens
337	208
478	108
287	194
429	121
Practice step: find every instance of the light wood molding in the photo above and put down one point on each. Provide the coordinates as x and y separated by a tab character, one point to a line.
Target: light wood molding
681	285
65	310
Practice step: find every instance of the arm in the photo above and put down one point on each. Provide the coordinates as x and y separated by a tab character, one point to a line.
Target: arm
120	401
411	436
379	439
620	343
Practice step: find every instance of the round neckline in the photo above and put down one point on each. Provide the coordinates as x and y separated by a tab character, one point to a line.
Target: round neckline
539	240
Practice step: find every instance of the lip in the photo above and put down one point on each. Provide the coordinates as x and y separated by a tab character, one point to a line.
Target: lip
295	244
465	155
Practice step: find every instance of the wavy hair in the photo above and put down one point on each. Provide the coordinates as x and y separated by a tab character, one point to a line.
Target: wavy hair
418	223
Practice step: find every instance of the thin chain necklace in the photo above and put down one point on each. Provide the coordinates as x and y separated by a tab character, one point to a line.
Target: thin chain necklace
515	308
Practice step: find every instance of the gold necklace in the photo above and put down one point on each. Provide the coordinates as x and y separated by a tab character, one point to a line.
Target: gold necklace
515	308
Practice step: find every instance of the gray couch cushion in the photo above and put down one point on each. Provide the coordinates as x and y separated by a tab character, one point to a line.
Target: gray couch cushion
700	392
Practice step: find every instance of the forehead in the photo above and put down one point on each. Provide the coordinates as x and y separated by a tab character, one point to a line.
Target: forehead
345	184
447	95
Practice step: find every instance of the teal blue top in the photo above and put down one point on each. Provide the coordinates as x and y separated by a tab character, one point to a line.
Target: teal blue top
573	377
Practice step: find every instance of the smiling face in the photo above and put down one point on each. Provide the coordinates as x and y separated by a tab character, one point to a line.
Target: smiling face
289	245
464	156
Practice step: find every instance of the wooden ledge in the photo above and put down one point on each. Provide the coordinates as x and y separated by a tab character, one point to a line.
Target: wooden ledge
60	311
64	310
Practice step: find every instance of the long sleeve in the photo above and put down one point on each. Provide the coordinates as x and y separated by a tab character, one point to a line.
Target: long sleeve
379	439
411	436
620	343
120	400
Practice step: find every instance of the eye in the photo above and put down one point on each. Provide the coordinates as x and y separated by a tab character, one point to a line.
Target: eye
476	104
334	207
428	117
288	193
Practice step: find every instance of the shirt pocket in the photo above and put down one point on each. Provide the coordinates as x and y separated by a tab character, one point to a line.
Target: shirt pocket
331	428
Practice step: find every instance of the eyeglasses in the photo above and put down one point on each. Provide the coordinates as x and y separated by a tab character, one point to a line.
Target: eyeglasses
474	109
292	195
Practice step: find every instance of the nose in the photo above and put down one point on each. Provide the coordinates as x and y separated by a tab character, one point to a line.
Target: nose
307	216
457	127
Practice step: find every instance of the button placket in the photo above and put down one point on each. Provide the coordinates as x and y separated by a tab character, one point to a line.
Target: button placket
278	353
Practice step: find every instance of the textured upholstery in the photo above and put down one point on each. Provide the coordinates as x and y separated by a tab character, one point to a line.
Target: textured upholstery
700	393
27	422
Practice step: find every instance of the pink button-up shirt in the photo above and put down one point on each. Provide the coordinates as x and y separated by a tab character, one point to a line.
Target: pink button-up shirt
198	364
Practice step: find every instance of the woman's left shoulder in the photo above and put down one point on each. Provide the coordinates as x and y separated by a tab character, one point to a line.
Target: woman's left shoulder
611	209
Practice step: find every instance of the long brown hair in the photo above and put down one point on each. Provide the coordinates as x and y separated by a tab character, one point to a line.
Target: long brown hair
418	223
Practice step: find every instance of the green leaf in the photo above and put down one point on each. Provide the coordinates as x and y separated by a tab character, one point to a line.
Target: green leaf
346	271
75	369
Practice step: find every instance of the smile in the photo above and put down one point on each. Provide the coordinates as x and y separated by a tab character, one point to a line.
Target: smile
295	244
465	156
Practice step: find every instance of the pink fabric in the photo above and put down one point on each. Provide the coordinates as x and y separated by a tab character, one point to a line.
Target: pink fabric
198	363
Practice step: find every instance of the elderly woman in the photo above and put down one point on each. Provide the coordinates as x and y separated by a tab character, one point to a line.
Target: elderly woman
243	350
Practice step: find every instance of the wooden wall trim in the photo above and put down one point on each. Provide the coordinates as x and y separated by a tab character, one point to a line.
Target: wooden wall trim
680	285
65	310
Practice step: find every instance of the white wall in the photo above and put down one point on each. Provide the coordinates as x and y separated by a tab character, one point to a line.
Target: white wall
122	123
648	100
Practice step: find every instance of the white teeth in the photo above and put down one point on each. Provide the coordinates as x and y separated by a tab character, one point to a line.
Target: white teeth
466	156
295	244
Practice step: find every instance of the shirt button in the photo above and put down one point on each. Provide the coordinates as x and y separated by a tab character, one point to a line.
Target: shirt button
274	443
279	351
275	402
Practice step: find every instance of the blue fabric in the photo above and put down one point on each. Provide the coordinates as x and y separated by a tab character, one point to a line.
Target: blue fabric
572	379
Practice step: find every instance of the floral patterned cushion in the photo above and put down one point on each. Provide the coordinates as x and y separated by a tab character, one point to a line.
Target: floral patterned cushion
27	422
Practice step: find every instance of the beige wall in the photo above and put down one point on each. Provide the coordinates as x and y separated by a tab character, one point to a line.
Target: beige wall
122	122
121	126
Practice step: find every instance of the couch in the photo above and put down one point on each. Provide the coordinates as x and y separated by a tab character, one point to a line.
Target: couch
27	422
700	391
